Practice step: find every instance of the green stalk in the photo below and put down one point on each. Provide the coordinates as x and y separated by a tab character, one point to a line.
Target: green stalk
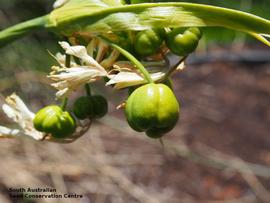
130	57
67	61
87	89
17	31
170	71
64	104
162	143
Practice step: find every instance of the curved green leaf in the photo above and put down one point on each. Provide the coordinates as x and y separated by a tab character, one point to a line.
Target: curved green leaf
112	15
87	16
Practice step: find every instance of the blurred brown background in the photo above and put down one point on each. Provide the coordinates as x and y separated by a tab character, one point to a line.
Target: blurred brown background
219	151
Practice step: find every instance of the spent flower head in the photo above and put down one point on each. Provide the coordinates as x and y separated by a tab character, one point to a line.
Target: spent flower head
68	79
127	76
18	112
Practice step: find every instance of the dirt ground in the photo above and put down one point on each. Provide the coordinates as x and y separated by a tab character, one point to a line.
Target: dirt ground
225	120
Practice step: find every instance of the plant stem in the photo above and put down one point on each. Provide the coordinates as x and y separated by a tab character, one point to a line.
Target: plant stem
162	143
87	89
170	71
67	61
130	57
64	104
12	33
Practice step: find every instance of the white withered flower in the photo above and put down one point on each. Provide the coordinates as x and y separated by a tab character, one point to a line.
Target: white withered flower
130	78
17	111
126	79
69	79
81	53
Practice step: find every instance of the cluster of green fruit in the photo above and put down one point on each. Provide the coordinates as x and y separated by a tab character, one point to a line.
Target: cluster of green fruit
180	41
151	108
60	123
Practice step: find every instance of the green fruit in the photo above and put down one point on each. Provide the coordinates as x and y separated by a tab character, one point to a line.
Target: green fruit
52	119
100	106
167	82
183	41
90	107
83	107
147	42
152	108
125	41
